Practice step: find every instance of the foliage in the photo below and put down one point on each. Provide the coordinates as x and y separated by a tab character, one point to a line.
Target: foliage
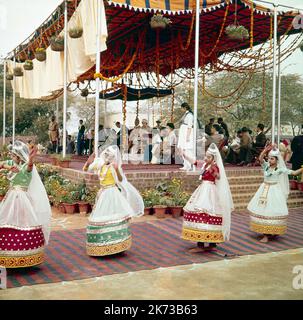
46	171
166	194
57	40
158	20
91	195
4	183
175	190
18	72
247	110
28	65
32	116
4	153
237	32
75	32
40	50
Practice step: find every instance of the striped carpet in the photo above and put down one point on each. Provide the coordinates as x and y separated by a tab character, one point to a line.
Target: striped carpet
155	244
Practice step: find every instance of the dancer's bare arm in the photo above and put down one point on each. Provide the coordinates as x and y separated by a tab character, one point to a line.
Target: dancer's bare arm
89	161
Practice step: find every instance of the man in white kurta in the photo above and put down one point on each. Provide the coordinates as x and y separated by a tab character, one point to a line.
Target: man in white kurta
186	136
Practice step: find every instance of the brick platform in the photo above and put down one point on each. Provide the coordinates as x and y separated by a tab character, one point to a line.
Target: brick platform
244	181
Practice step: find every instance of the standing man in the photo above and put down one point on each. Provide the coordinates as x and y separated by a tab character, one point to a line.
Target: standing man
158	127
297	149
53	132
186	136
135	139
260	139
80	139
119	132
224	126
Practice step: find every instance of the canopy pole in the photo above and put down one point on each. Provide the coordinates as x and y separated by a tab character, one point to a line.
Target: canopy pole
279	92
98	64
197	40
4	102
14	103
57	110
65	82
273	122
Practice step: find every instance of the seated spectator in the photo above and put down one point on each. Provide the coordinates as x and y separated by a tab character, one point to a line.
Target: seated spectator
297	149
209	125
215	137
285	150
260	139
234	149
245	155
224	127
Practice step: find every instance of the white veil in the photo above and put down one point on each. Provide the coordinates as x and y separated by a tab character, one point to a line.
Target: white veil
128	190
225	196
283	177
36	191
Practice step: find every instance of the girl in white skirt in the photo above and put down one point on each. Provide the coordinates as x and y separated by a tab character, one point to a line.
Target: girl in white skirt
25	212
268	208
117	202
207	214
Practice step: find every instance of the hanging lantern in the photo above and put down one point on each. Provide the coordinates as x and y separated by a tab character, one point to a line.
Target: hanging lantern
84	93
159	22
75	32
237	32
57	43
28	65
40	54
18	72
9	76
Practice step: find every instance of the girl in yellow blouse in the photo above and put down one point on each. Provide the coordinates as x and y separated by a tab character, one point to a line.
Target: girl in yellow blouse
117	202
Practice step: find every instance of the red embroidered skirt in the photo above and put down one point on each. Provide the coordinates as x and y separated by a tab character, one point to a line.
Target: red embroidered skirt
21	247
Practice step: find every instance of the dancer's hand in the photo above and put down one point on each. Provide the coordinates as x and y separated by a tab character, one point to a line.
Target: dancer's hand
14	169
268	148
33	152
91	159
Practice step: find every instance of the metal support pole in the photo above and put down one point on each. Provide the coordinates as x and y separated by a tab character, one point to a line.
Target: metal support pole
197	38
14	103
274	75
57	110
4	102
98	64
65	82
279	92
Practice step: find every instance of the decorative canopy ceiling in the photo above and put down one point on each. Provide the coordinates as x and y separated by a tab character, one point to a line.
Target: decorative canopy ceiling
134	47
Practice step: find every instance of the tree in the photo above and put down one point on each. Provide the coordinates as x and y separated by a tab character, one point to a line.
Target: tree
32	116
246	108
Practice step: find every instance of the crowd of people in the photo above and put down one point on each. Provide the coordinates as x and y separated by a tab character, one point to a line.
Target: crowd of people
164	144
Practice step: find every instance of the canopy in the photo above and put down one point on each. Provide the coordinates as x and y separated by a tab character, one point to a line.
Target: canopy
134	47
136	94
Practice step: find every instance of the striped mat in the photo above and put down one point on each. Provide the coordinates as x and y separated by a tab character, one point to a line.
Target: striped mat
155	244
